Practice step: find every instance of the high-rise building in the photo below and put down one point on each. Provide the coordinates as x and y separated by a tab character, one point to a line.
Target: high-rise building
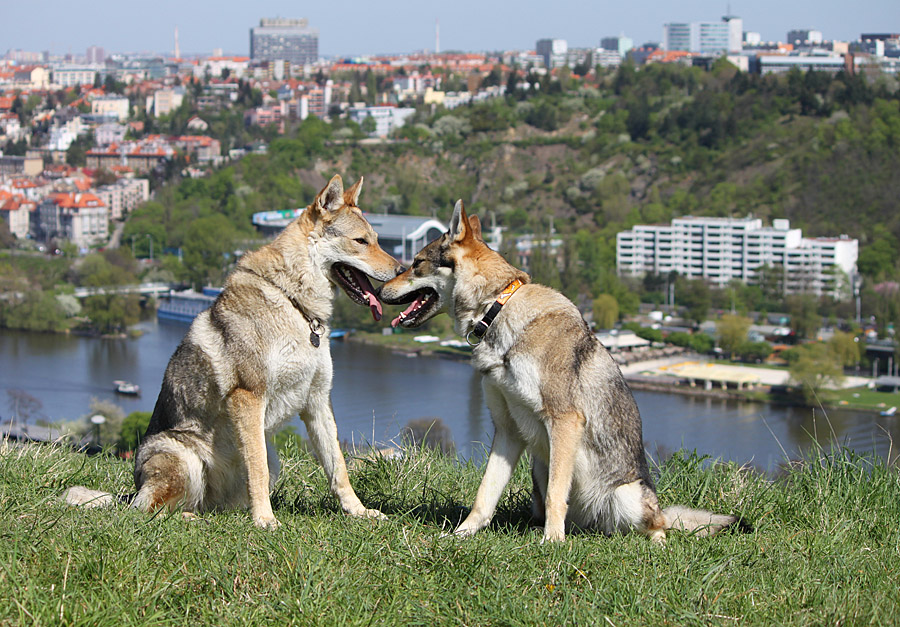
95	55
804	36
553	51
620	44
708	38
284	39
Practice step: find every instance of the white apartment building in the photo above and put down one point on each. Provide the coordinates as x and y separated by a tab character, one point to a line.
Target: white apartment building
112	106
723	249
123	196
386	118
72	75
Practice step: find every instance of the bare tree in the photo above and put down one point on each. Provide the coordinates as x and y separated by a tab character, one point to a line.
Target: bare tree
24	407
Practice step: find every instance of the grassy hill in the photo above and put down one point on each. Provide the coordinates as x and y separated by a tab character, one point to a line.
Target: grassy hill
823	549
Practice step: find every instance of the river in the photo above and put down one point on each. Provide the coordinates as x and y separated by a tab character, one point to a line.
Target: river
377	392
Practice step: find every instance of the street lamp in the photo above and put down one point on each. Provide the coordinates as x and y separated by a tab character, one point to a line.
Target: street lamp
97	420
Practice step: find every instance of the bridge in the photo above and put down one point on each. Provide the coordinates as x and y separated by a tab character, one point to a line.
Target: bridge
147	289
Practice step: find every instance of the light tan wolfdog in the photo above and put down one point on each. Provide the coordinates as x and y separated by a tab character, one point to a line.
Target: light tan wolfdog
551	387
253	360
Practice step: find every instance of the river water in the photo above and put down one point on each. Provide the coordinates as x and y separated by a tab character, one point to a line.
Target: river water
377	392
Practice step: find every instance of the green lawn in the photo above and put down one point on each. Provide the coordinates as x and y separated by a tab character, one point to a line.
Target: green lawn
824	549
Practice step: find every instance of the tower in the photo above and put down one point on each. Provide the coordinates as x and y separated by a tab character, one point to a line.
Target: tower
437	36
177	50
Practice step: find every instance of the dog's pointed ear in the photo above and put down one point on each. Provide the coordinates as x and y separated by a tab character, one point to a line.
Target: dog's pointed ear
351	195
459	223
331	197
475	227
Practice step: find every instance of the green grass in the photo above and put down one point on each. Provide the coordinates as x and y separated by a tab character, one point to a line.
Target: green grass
824	549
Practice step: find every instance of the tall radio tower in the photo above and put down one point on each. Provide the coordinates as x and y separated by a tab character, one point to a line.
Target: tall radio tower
437	36
177	51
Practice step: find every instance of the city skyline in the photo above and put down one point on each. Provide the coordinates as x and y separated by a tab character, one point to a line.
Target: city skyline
401	26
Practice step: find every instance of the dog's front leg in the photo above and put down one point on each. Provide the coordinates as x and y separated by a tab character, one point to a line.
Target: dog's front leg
506	448
248	412
565	432
322	431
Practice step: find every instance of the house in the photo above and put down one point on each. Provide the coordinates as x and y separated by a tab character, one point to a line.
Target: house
83	219
164	101
16	210
13	165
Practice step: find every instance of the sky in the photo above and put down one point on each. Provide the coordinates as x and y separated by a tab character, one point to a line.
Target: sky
353	27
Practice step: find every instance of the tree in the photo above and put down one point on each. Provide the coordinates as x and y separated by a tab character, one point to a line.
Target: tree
732	331
812	367
805	319
754	351
606	311
368	125
845	348
23	407
207	249
133	428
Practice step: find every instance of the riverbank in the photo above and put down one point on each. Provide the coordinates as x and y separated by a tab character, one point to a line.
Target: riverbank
772	384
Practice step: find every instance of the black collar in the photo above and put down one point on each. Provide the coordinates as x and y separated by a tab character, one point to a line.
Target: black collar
484	324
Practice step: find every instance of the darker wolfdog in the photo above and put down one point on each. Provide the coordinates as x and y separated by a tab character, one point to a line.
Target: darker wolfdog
551	387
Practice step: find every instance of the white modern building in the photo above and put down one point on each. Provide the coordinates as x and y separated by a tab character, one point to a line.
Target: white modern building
706	38
72	75
111	106
386	118
724	249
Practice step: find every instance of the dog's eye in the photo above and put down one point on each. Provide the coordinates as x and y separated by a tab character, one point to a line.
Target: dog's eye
417	263
362	240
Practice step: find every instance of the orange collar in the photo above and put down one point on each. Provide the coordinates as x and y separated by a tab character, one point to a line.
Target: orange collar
484	324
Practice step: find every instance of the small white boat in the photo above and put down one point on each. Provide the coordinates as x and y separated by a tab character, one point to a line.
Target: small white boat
127	387
890	411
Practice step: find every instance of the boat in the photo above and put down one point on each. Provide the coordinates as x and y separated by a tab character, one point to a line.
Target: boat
890	411
184	306
127	387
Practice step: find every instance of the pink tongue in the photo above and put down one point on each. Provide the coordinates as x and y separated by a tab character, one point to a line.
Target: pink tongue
374	305
369	292
412	306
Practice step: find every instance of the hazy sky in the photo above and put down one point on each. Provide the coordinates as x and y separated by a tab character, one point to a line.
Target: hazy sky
353	27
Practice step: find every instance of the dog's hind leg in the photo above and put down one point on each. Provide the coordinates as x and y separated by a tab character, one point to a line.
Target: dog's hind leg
322	430
248	413
635	505
565	432
170	478
506	449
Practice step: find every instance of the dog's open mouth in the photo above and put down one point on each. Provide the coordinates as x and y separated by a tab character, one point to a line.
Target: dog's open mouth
357	286
423	301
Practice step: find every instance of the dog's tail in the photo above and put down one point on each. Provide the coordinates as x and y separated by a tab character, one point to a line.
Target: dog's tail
696	521
79	496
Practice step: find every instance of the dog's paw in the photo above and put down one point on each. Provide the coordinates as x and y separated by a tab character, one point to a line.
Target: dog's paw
370	513
460	532
550	536
266	522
